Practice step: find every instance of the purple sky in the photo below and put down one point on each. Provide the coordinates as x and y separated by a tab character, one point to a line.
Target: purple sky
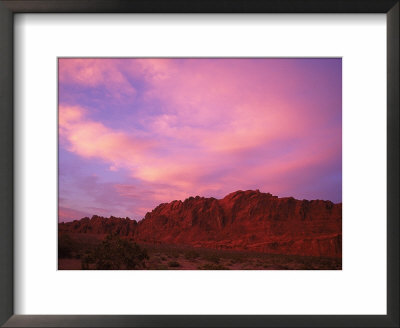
134	133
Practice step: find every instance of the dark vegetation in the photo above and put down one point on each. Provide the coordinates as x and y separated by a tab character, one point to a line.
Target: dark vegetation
115	253
112	252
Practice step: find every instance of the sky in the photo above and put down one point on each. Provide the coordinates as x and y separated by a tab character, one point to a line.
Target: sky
134	133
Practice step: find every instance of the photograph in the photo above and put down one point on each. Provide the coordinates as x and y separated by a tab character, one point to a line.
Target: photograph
224	163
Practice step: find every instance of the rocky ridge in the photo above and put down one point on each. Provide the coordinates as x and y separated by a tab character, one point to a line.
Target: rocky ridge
243	220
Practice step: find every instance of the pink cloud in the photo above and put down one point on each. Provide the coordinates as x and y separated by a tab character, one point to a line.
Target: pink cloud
222	110
91	139
94	73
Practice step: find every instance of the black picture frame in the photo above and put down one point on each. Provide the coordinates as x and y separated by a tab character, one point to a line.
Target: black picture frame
10	7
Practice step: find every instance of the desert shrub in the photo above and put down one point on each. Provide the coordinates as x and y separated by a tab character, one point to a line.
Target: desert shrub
173	264
210	266
237	258
65	246
191	255
213	258
156	260
161	267
86	259
115	253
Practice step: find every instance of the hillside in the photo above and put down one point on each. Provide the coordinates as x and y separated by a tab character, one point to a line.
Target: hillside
242	220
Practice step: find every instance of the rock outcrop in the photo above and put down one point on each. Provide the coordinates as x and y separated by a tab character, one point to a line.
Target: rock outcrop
100	225
245	220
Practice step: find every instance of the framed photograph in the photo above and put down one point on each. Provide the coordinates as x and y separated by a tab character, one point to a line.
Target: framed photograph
191	157
199	164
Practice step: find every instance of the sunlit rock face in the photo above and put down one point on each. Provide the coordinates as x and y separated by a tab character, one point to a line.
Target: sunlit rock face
242	220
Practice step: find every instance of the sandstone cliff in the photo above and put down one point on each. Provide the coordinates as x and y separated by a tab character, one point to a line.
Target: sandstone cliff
245	220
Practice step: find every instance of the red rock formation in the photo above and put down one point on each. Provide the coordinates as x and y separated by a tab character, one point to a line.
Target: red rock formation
242	220
100	225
